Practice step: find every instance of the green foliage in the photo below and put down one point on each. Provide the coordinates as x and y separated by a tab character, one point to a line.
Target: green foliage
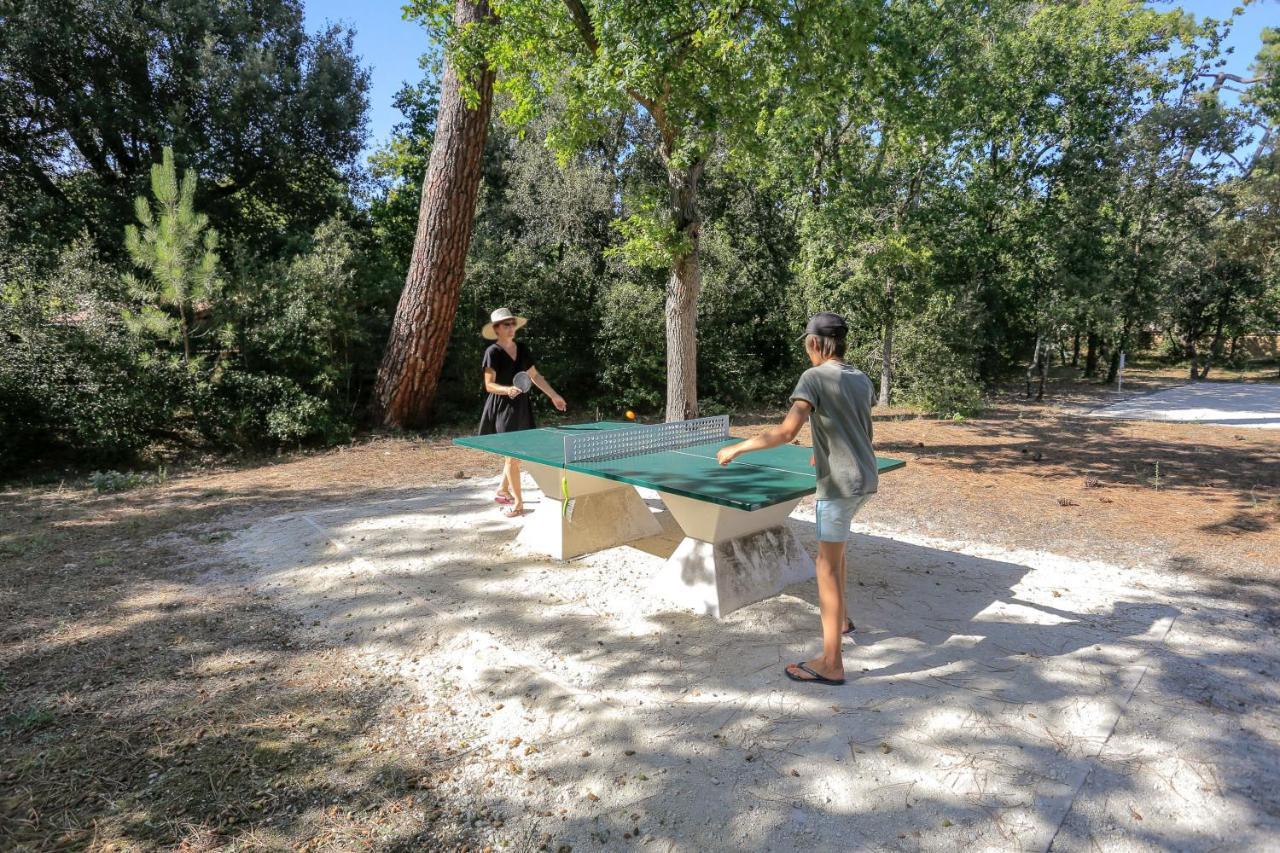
960	179
118	481
310	318
269	116
245	410
178	251
69	375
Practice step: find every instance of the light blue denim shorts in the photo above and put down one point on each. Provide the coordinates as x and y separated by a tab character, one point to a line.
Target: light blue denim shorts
833	517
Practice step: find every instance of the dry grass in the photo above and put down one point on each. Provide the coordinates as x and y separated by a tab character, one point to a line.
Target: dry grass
140	711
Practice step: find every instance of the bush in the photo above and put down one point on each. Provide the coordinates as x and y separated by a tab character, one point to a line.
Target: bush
246	409
936	363
116	481
72	382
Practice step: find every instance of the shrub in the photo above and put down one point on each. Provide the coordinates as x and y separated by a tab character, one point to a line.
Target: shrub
72	382
245	409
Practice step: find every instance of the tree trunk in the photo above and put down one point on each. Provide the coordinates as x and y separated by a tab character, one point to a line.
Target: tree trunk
1033	365
1215	346
1042	371
683	286
886	357
1038	367
410	372
1075	349
1091	355
1114	367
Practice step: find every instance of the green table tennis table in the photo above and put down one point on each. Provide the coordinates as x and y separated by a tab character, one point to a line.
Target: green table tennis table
737	549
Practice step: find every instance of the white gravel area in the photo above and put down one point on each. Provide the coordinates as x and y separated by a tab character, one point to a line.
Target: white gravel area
1238	404
997	700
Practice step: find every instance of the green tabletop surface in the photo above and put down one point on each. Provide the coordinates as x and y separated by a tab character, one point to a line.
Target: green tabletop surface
752	481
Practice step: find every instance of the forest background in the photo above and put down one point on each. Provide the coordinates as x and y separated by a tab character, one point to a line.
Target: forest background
195	254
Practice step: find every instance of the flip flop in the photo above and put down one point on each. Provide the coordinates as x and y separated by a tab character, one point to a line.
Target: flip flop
848	632
817	679
503	499
512	512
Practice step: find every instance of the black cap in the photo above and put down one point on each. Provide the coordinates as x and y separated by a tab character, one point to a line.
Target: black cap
826	324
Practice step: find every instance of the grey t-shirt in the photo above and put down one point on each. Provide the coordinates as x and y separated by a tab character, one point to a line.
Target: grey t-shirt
841	396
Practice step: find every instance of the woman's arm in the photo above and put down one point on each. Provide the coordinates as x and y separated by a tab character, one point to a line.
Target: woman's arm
545	387
783	433
491	385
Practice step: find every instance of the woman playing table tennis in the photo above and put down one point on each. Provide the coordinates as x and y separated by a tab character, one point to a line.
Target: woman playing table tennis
508	365
835	398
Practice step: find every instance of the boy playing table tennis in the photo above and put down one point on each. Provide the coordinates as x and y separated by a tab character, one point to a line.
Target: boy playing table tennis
837	399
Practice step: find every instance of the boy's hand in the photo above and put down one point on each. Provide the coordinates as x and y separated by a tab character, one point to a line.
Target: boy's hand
727	454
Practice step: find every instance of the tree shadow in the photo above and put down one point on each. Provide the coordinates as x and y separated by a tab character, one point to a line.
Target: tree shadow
981	691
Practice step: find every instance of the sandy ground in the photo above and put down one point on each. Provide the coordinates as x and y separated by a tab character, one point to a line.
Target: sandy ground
1067	623
998	699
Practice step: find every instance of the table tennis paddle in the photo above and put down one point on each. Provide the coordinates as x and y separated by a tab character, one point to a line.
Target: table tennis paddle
522	382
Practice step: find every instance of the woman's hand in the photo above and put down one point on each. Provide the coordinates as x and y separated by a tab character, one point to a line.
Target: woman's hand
513	391
558	402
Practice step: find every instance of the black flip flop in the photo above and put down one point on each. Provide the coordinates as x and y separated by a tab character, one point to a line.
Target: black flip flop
848	632
817	679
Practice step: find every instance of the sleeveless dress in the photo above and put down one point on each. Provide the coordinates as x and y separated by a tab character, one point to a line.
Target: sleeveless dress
502	413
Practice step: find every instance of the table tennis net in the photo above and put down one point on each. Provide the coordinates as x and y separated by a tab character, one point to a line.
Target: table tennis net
605	445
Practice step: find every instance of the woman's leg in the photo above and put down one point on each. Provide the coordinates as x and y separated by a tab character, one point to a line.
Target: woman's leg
504	487
512	477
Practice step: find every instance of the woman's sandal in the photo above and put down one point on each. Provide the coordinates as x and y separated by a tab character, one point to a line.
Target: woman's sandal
815	678
848	631
504	499
512	512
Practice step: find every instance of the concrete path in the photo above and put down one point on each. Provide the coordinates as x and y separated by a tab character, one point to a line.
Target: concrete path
997	700
1235	404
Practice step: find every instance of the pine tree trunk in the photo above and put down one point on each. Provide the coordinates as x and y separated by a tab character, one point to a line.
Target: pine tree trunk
1075	349
683	286
410	372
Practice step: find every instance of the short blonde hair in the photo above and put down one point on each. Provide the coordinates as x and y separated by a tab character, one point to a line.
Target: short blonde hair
827	347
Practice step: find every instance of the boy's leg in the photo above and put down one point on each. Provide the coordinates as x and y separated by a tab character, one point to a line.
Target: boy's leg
844	590
830	605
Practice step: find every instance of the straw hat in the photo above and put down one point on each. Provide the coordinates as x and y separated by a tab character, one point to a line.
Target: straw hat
497	317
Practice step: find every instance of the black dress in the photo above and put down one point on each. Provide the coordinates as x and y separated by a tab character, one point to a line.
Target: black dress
502	413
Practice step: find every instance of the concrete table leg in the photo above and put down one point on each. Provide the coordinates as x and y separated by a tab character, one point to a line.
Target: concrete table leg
601	514
730	558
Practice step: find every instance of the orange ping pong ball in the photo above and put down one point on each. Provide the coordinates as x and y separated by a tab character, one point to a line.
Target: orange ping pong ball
631	416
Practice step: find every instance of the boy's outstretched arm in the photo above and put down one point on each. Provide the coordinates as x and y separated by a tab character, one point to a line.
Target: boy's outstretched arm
783	433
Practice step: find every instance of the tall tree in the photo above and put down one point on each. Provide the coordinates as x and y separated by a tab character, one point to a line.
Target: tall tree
270	117
410	372
703	74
